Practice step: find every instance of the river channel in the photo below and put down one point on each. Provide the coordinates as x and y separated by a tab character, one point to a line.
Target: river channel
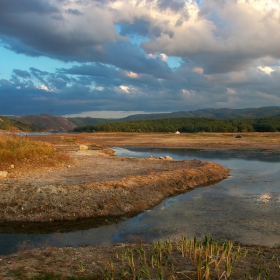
243	208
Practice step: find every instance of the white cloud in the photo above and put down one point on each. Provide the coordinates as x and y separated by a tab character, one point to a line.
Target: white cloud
267	70
43	87
198	70
132	75
164	57
124	88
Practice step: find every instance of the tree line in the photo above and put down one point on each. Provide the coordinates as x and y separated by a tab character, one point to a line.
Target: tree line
193	124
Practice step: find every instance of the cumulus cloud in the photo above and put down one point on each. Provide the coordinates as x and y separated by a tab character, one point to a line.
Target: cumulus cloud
52	28
229	53
219	36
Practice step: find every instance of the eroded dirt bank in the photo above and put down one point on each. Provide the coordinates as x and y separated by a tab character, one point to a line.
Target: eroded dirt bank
100	185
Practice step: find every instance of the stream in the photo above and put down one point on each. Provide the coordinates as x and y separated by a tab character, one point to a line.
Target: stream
244	208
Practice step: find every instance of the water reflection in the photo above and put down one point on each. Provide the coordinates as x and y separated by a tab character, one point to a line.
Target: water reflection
244	208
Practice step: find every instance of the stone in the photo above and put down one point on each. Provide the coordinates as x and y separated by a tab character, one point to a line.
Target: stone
150	156
83	147
3	174
161	158
168	158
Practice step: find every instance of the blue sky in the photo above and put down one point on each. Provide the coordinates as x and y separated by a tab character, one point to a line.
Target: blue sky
114	58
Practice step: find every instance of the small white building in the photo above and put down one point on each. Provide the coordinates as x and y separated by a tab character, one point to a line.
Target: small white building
177	132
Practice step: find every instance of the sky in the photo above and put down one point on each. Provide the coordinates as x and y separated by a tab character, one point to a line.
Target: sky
112	58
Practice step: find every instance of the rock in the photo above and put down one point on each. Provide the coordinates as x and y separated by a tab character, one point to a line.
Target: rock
83	147
161	158
150	156
3	174
168	158
12	166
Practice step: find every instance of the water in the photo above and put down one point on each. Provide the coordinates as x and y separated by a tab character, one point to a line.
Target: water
40	133
244	208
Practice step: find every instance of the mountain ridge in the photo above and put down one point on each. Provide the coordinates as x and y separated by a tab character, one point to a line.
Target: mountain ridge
58	123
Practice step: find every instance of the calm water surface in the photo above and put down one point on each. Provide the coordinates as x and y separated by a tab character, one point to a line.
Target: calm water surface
244	208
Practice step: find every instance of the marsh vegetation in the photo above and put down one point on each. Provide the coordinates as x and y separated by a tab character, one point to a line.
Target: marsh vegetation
23	152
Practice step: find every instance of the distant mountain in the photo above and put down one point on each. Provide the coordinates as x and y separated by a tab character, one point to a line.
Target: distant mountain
8	123
50	122
189	125
55	123
80	121
223	113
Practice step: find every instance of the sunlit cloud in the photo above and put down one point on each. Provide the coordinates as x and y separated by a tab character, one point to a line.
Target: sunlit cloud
267	70
124	88
198	70
43	87
264	198
132	75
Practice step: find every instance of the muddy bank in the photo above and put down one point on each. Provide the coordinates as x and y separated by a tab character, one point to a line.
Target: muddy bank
100	185
91	262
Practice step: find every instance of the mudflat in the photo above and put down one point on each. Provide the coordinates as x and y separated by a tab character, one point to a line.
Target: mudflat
212	141
99	184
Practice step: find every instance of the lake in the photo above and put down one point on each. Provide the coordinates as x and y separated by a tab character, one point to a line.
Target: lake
243	208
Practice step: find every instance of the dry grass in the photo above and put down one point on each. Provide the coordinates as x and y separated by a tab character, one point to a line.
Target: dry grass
19	151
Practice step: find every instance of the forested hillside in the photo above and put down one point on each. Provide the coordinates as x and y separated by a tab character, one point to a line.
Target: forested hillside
222	113
271	124
50	122
15	123
80	121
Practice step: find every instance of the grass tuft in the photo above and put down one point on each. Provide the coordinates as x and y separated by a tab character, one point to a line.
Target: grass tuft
206	259
20	151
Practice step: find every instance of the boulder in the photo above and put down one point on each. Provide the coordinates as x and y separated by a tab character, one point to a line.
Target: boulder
3	174
168	158
83	147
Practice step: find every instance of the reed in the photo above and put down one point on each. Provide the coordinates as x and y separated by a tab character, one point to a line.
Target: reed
208	259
